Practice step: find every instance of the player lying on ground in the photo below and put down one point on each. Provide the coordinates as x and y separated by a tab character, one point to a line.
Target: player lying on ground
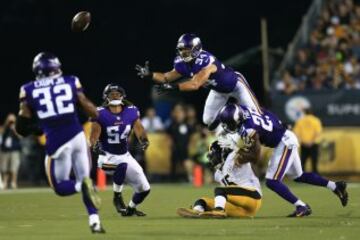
109	137
203	70
239	194
266	128
52	99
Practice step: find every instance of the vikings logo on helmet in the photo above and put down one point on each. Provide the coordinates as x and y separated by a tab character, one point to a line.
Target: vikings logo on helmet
189	47
46	64
230	117
113	101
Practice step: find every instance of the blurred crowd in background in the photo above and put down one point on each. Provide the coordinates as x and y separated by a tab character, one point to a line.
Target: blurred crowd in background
331	58
23	158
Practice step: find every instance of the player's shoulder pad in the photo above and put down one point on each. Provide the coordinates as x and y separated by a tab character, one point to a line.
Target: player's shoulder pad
134	110
22	92
178	60
204	59
75	80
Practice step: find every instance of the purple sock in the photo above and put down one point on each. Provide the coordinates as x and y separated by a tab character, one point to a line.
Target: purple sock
89	206
120	173
139	197
282	190
312	178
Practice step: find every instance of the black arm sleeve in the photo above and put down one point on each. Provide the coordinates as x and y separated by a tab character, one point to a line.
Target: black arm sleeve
26	126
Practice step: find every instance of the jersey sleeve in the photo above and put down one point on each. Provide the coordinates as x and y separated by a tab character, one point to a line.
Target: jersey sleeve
77	84
179	66
204	60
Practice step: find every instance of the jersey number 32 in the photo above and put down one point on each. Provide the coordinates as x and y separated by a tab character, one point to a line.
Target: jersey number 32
59	96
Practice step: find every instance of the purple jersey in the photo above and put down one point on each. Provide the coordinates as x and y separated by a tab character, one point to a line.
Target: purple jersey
223	80
115	128
53	100
267	125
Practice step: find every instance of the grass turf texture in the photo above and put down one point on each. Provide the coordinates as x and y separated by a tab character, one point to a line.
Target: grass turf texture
40	214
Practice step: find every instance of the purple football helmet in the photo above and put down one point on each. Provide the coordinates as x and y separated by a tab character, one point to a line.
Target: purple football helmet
189	47
231	116
46	64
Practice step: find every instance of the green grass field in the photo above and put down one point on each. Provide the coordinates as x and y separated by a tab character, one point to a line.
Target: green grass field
40	214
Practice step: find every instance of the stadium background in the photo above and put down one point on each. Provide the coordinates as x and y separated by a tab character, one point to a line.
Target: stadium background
122	35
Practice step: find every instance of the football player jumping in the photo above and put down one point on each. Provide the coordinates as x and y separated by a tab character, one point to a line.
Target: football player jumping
239	194
109	136
52	99
255	129
203	70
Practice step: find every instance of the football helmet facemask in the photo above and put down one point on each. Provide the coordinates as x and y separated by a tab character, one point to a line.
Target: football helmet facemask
113	95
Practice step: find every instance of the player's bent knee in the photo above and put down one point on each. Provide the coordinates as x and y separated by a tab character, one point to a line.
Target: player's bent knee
207	119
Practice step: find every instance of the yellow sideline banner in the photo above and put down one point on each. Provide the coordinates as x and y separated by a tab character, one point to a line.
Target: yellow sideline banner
158	154
339	150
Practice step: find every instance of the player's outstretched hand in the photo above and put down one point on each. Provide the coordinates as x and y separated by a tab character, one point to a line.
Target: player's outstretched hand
143	71
166	87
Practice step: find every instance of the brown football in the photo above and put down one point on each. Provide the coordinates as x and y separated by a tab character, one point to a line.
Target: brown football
81	21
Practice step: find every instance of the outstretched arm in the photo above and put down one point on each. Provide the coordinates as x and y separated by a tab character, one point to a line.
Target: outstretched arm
141	134
145	72
198	79
166	77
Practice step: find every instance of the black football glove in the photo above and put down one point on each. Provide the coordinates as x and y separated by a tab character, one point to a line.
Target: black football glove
166	87
97	150
143	145
144	71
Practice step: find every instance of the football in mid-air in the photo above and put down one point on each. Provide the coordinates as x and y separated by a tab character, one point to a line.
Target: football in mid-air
81	21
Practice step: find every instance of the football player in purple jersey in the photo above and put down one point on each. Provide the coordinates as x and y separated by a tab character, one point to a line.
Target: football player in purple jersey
109	136
202	70
51	99
266	128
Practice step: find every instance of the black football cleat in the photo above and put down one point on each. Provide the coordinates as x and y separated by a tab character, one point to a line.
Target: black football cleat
119	204
341	192
133	211
301	211
97	228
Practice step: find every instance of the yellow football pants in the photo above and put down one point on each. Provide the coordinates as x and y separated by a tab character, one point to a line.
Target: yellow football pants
237	205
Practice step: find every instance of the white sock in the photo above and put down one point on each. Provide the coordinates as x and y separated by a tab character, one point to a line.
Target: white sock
331	185
94	218
220	201
132	204
299	203
78	187
117	188
199	208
